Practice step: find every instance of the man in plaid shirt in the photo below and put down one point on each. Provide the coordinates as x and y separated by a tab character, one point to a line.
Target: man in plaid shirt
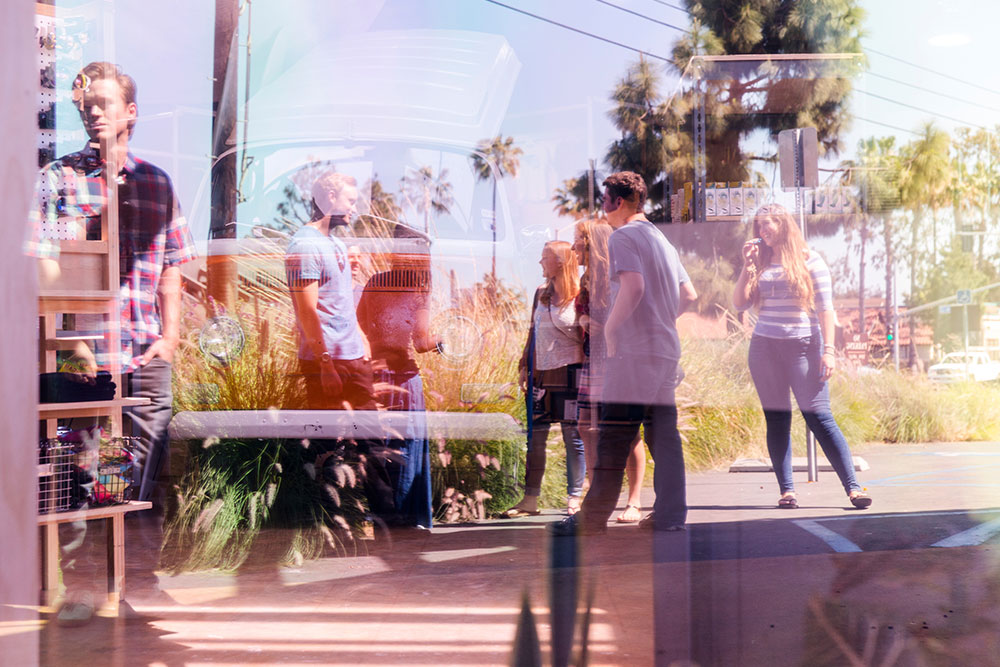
154	241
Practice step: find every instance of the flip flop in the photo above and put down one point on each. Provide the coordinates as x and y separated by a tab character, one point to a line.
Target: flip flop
861	500
517	513
788	503
631	514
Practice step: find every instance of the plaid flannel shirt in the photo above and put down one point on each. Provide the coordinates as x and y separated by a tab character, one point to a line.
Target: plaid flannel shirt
153	235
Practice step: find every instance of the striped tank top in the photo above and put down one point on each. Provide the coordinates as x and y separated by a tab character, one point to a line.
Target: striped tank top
781	315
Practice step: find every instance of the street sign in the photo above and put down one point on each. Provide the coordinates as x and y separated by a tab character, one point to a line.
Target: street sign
797	158
944	310
963	297
856	348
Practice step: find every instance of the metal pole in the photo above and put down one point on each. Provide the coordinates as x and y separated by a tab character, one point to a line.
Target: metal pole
591	177
895	324
811	456
965	330
700	157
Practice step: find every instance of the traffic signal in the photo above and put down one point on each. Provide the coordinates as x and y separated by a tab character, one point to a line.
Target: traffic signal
890	333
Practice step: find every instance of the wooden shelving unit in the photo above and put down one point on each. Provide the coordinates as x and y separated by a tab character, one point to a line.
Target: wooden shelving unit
88	286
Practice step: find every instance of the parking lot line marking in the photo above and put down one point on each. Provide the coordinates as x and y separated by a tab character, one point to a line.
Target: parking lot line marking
854	516
971	537
945	477
837	542
951	454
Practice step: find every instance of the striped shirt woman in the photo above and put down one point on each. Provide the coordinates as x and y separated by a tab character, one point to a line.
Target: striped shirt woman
781	314
792	350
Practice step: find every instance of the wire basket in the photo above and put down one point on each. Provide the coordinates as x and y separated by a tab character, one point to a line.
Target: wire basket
55	476
115	481
81	469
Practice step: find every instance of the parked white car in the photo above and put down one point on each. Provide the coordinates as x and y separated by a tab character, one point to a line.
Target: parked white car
971	366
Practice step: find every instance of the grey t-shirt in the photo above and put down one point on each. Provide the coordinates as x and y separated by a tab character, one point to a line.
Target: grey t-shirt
313	256
648	338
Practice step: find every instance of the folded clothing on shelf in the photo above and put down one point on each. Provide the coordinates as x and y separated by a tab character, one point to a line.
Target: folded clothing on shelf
74	387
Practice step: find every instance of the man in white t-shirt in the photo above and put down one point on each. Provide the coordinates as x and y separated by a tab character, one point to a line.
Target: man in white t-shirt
331	346
649	289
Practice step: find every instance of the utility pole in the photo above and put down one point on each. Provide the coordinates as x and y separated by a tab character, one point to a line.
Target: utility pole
221	268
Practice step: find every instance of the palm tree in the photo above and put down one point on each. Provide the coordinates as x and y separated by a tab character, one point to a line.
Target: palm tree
924	185
877	174
426	193
501	155
573	198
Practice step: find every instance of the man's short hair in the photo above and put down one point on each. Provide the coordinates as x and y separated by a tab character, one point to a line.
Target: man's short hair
104	70
328	187
628	185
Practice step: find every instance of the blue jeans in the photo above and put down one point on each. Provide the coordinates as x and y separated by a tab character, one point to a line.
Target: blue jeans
411	476
782	365
576	466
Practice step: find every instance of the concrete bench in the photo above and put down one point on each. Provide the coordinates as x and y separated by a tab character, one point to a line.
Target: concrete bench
377	424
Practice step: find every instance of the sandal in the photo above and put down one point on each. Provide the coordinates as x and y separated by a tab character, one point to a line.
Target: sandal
631	514
861	500
572	505
788	503
517	513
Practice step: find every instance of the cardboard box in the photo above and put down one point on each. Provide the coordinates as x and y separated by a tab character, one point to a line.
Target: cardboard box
722	199
711	205
750	201
735	200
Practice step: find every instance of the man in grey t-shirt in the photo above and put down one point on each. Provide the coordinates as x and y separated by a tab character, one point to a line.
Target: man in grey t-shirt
649	289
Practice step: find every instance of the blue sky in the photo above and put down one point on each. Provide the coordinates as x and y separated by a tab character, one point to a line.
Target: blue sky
557	106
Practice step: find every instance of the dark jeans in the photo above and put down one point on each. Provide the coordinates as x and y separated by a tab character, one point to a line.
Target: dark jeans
83	553
576	467
149	424
781	367
619	427
410	475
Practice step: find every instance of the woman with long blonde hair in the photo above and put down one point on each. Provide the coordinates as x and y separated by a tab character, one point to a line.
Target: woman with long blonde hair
792	349
590	242
548	370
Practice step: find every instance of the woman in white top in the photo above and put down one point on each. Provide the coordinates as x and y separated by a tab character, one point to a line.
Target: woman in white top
550	364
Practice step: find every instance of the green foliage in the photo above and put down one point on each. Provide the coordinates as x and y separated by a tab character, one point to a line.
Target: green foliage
473	479
296	208
427	193
233	489
714	282
573	197
264	376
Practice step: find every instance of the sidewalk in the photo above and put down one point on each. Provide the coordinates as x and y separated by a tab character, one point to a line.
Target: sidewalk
746	584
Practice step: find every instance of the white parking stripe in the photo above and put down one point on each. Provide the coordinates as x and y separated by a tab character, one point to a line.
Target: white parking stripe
971	537
837	542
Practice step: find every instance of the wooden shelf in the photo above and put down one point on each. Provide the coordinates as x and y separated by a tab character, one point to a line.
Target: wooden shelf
105	512
84	247
76	301
87	408
67	340
76	295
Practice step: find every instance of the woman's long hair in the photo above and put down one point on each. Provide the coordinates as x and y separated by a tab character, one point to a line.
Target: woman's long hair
794	252
595	234
566	283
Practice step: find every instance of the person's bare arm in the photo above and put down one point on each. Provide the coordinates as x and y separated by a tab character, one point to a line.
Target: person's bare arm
305	299
169	293
631	288
688	296
828	327
741	293
423	341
